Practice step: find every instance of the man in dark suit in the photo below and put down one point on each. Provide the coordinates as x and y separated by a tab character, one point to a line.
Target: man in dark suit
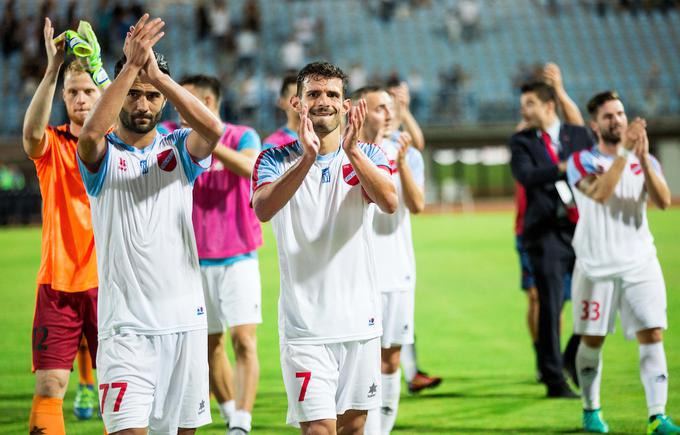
539	162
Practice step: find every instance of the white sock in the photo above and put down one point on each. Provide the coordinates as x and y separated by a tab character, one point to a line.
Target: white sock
391	384
654	376
372	426
589	372
242	419
227	409
408	362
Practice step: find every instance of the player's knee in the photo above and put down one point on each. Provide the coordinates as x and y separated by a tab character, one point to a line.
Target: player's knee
649	336
51	383
245	344
321	427
215	343
594	341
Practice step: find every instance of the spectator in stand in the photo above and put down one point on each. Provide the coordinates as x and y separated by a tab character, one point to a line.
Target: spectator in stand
292	54
469	17
9	29
252	16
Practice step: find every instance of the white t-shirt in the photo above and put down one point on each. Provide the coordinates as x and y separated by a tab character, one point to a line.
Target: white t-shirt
395	259
326	260
614	237
149	277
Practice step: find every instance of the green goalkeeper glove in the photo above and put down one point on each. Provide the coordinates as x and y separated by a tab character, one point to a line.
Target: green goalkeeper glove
74	43
93	61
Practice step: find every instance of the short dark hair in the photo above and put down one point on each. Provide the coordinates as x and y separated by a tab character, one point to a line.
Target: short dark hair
288	79
201	81
543	91
320	69
359	93
160	61
599	99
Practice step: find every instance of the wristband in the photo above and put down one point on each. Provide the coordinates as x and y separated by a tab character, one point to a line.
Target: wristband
622	152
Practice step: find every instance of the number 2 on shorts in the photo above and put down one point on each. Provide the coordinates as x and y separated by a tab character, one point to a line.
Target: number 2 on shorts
122	386
303	390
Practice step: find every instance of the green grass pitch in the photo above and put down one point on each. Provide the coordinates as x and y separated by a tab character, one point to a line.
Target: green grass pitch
469	324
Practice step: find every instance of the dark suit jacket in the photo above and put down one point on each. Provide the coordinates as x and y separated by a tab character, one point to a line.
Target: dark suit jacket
532	167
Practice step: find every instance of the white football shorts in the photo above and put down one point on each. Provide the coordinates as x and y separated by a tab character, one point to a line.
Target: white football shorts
154	381
639	295
233	295
325	380
398	308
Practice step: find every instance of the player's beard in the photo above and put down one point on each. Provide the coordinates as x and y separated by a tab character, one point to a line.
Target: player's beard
128	121
611	136
324	127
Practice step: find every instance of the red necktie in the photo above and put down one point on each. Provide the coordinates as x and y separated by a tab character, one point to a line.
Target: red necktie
572	212
548	146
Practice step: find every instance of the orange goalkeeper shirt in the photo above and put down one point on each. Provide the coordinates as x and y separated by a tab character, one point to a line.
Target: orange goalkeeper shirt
68	260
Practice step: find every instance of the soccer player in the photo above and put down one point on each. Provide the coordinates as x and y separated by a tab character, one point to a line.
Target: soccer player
395	259
316	191
402	119
228	235
152	360
66	302
287	133
617	269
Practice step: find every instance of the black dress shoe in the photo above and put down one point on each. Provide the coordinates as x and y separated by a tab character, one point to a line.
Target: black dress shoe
561	391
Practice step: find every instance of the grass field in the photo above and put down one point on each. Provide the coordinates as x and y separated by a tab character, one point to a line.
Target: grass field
470	329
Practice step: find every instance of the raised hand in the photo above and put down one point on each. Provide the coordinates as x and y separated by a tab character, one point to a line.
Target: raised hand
553	76
140	40
402	96
355	122
55	51
308	138
405	141
641	148
635	133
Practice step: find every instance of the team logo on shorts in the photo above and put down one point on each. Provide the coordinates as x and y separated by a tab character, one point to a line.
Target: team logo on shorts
200	311
349	175
372	390
201	407
371	321
167	160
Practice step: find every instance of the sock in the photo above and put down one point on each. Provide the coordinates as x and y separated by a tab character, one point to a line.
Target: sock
589	372
372	426
391	384
47	416
227	409
408	362
242	419
654	376
85	372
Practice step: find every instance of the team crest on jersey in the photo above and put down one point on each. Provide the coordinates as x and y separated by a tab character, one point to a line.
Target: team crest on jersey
636	168
167	160
326	175
349	175
393	166
122	165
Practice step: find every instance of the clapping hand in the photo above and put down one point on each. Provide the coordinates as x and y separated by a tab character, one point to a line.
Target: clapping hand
139	43
55	51
355	122
308	138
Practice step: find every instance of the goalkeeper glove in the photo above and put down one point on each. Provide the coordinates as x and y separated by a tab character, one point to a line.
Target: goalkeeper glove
93	60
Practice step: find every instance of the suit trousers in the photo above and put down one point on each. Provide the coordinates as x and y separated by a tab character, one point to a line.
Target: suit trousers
551	256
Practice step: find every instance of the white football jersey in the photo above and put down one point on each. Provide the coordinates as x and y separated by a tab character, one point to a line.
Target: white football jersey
614	237
394	256
326	261
149	279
